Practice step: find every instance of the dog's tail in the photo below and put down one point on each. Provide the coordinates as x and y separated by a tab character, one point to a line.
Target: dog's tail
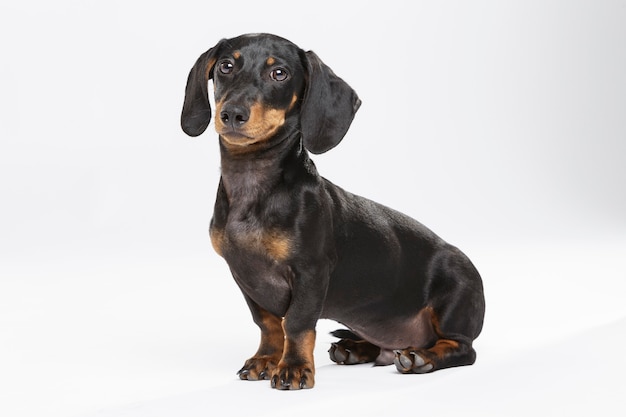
346	334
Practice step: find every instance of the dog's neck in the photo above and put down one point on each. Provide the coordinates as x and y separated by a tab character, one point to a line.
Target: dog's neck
247	174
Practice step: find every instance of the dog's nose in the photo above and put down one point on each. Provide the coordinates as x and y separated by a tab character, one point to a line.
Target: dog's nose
234	116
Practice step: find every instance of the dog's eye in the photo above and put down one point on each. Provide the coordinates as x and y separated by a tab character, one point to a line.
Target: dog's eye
279	74
226	67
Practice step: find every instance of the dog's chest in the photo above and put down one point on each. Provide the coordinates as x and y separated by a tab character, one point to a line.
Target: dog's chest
252	217
252	229
240	239
258	259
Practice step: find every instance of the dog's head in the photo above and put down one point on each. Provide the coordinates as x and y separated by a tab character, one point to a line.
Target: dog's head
266	88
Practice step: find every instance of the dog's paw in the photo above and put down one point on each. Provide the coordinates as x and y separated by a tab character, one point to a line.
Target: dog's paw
289	377
341	353
350	352
410	361
257	368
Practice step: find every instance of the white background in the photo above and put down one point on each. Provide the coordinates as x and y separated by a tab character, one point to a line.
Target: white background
500	125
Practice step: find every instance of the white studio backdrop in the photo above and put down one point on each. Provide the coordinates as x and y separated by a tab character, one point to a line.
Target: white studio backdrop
498	124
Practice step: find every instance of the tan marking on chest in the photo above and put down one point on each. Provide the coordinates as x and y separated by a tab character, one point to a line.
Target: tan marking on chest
274	244
277	245
217	240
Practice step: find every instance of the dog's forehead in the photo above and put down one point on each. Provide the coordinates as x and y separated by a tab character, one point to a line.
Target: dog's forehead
262	47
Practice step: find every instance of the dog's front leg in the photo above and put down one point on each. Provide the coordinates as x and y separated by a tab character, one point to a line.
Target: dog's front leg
263	364
296	368
285	353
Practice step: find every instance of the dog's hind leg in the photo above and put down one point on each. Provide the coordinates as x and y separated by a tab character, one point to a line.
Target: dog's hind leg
456	313
453	345
445	353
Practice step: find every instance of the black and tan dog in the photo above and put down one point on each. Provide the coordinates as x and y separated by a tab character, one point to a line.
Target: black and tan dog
301	248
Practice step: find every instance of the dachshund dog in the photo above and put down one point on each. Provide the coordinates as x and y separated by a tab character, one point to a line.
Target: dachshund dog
299	247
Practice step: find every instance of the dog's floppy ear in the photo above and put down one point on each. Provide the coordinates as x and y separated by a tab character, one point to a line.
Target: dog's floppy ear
196	113
328	107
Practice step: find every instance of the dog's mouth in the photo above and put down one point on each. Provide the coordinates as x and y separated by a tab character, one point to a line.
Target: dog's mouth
261	125
235	138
